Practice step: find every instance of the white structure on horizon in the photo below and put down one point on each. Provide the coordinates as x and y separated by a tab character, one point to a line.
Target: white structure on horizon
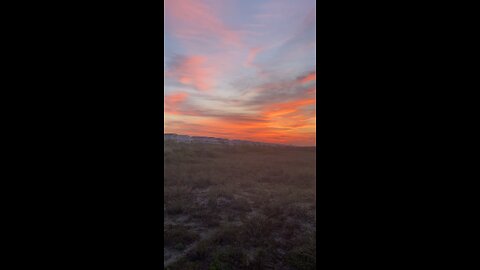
212	140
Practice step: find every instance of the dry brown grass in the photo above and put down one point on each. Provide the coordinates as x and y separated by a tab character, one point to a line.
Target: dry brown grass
259	202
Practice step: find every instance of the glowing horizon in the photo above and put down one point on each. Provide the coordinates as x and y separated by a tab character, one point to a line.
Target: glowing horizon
241	69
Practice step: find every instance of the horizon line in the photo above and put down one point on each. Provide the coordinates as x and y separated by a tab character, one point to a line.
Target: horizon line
233	139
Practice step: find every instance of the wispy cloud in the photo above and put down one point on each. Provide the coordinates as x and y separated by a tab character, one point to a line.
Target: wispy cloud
191	70
236	69
198	23
252	54
309	77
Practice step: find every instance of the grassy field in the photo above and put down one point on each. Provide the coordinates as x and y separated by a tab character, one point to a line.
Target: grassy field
239	207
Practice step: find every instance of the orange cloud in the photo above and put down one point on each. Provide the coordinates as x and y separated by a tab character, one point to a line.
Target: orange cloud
312	91
285	108
264	132
268	107
291	121
291	117
172	102
285	122
308	78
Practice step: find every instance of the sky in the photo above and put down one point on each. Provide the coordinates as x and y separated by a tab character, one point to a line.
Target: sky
241	69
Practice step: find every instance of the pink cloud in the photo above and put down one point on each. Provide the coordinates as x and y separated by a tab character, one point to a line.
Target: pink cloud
194	20
173	101
252	54
193	71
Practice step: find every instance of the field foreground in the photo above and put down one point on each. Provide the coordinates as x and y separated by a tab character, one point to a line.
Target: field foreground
239	207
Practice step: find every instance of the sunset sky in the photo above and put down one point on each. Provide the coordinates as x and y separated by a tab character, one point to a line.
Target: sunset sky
241	69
